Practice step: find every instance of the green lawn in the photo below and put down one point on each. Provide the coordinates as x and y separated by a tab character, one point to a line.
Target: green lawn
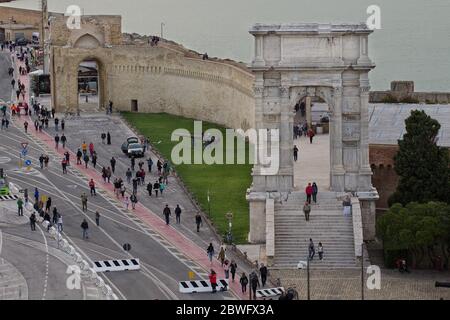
227	184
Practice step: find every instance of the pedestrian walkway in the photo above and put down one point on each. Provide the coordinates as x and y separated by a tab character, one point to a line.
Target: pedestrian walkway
313	164
192	251
12	283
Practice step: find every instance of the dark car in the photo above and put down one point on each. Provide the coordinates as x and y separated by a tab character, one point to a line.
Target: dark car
21	42
132	147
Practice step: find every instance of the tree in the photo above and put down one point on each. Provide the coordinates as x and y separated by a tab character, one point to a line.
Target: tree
422	166
420	229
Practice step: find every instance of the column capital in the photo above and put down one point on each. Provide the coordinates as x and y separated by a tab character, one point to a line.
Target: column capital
258	90
284	91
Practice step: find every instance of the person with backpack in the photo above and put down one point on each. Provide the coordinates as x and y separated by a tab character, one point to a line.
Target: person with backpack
243	281
33	222
210	252
307	210
79	155
156	188
233	269
86	160
63	141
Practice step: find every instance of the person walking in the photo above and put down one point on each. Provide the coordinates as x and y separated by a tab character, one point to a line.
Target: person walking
33	222
36	195
311	249
263	273
20	207
86	160
162	187
233	269
91	148
315	190
254	284
133	200
309	191
103	136
85	229
126	202
63	140
133	163
63	124
167	213
84	201
156	188
149	189
226	269
210	252
56	141
97	218
178	214
113	164
56	124
149	164
129	174
64	165
198	221
79	155
311	135
60	223
108	138
295	153
306	210
48	204
25	126
221	256
55	216
213	280
92	187
320	250
243	281
94	159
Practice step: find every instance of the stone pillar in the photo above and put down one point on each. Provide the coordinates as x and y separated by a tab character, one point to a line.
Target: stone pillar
308	111
259	60
286	142
337	168
365	172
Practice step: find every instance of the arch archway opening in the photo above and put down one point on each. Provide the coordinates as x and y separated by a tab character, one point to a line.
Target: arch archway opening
89	85
313	164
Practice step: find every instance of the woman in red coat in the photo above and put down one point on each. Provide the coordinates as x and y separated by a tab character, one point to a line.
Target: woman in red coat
309	192
213	280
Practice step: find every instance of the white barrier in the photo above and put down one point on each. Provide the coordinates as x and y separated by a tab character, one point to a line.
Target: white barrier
196	286
268	293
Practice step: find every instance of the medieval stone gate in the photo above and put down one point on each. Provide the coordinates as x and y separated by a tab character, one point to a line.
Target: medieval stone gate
294	61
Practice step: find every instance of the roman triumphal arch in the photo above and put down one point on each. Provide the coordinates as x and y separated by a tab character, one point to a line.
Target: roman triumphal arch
293	61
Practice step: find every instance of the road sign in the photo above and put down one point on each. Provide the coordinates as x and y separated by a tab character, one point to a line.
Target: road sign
127	247
24	152
28	163
24	145
191	275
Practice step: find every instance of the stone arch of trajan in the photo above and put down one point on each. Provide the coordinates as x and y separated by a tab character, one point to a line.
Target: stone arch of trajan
291	62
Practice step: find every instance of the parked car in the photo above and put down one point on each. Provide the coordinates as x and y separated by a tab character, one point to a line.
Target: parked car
132	147
21	42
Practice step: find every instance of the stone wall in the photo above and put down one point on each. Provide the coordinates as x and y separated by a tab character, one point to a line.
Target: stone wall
384	178
21	16
403	91
161	80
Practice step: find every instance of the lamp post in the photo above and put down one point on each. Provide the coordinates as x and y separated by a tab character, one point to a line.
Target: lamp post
308	294
162	29
362	271
229	216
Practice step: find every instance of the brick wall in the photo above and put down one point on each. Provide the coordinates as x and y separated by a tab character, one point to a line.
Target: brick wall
21	16
384	177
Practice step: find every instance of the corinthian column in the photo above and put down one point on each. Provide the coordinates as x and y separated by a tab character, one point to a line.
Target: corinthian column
337	167
286	139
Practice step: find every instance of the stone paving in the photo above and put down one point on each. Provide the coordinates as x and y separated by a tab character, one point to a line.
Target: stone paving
12	284
346	284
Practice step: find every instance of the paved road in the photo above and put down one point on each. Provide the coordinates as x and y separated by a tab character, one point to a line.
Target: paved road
163	266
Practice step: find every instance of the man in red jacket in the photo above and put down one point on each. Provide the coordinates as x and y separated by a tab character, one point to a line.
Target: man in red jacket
309	192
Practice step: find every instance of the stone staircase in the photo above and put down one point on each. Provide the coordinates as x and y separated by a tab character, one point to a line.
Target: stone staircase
327	225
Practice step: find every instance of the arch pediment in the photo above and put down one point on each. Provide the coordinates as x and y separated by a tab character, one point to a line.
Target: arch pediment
87	41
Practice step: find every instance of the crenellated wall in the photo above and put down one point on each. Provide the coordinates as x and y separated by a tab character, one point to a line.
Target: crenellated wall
161	80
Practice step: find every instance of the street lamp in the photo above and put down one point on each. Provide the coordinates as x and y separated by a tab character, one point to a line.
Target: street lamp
229	216
162	26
